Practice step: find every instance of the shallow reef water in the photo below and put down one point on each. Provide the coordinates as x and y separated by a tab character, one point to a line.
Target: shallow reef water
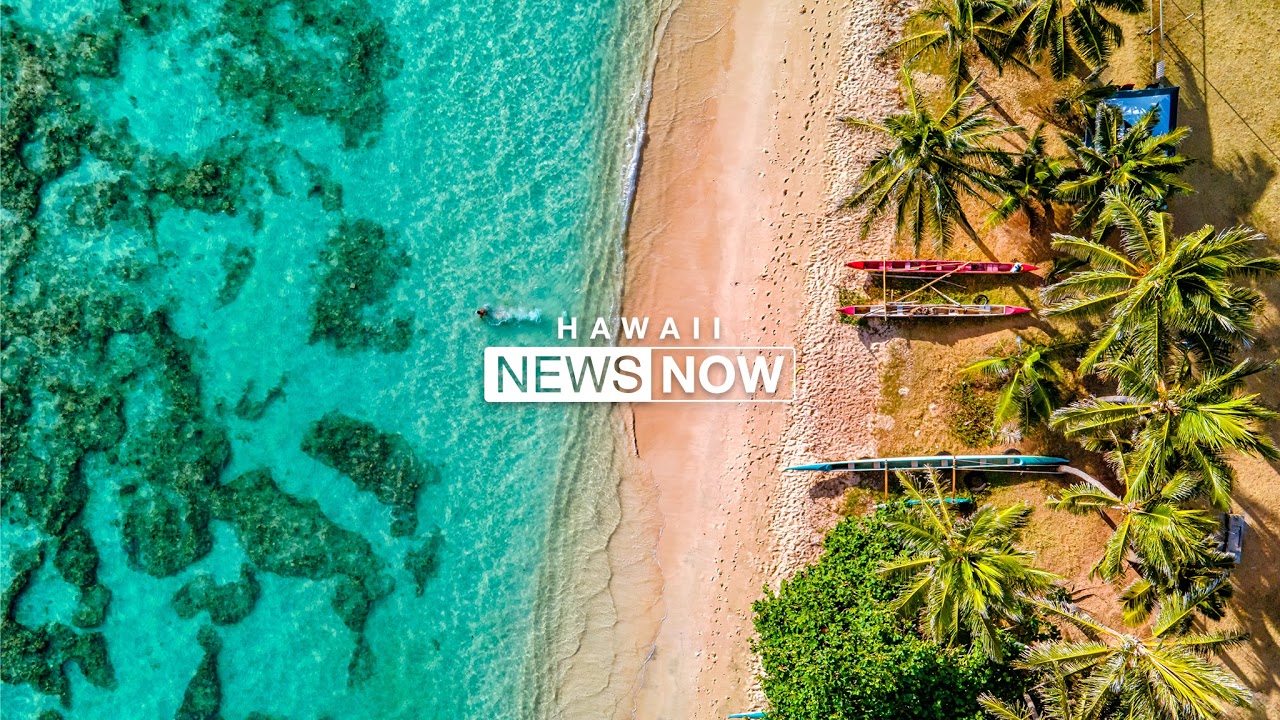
247	467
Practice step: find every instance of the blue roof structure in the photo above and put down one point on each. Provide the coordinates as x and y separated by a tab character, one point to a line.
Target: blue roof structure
1133	104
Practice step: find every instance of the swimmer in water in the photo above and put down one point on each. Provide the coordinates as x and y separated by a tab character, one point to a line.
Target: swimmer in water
504	316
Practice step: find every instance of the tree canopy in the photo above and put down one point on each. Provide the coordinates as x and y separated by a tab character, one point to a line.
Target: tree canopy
832	647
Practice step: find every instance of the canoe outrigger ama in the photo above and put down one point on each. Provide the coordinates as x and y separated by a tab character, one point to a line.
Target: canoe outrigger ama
923	310
938	267
990	463
1009	462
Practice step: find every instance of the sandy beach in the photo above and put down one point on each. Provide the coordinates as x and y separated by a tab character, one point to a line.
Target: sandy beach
734	217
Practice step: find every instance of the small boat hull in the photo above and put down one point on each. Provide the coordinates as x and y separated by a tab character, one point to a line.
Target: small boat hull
941	267
922	310
994	463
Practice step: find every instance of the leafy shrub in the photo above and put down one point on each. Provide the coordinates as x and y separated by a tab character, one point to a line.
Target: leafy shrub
831	648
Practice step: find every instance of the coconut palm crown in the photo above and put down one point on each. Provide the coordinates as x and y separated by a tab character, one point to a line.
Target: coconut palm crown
1031	179
1152	525
963	574
1129	159
952	31
1066	34
1188	425
936	159
1166	675
1158	288
1031	375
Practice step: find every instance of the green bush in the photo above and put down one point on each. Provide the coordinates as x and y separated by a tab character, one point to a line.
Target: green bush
832	649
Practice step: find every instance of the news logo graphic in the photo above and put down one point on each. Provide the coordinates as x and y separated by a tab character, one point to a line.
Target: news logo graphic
639	374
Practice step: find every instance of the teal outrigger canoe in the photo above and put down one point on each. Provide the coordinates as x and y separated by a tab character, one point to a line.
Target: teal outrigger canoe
990	463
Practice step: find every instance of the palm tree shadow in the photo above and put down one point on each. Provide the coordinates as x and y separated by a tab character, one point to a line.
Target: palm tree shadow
1256	578
836	484
949	331
1227	191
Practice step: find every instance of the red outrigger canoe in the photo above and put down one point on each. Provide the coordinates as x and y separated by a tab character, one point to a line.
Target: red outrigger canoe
940	267
930	310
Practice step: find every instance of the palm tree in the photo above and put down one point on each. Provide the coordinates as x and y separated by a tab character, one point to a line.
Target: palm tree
964	574
954	30
1164	675
1076	106
1066	32
1031	375
934	161
1153	525
1157	287
1128	159
1188	425
1209	579
1030	177
1055	702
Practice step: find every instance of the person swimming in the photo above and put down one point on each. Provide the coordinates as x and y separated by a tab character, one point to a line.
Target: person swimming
504	316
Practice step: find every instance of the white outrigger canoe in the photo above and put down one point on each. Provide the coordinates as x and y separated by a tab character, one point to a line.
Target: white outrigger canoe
991	463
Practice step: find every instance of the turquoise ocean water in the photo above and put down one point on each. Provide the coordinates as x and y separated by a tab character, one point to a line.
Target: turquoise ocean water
225	221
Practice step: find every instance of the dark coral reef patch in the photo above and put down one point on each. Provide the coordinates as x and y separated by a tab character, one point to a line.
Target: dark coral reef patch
380	463
291	537
345	84
39	656
360	265
227	604
203	697
423	561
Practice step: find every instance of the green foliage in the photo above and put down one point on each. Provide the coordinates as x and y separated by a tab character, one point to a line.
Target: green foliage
1153	524
1115	674
1074	108
1069	34
1182	430
1158	291
936	159
952	31
1029	179
965	576
1032	378
832	648
1131	160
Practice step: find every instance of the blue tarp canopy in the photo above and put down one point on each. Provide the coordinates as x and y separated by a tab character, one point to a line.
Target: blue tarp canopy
1135	103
